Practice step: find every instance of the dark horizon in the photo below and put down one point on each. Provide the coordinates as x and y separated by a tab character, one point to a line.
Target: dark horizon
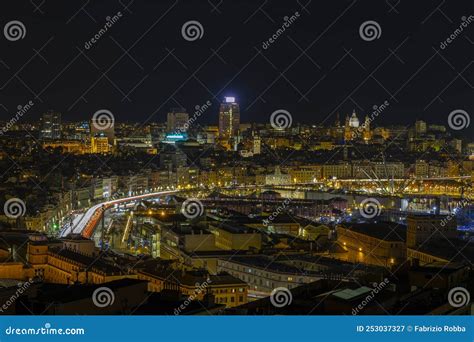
150	68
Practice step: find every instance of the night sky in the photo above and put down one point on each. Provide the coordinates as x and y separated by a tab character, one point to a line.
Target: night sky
320	65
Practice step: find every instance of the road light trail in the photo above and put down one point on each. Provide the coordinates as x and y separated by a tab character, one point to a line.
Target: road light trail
86	224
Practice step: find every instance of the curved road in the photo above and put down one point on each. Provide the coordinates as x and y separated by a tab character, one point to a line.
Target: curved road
85	223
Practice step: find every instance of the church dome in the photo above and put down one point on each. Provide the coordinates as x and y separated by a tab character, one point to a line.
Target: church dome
354	121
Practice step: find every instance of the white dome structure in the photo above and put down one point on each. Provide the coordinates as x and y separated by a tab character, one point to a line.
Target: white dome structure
354	120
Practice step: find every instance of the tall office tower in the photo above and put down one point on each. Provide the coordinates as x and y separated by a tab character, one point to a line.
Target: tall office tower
229	118
257	144
420	127
50	125
177	120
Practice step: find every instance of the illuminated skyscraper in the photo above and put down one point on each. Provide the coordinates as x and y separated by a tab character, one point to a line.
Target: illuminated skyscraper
229	118
257	144
50	126
420	127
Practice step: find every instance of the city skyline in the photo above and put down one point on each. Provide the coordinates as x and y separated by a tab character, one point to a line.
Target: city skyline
237	158
339	118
